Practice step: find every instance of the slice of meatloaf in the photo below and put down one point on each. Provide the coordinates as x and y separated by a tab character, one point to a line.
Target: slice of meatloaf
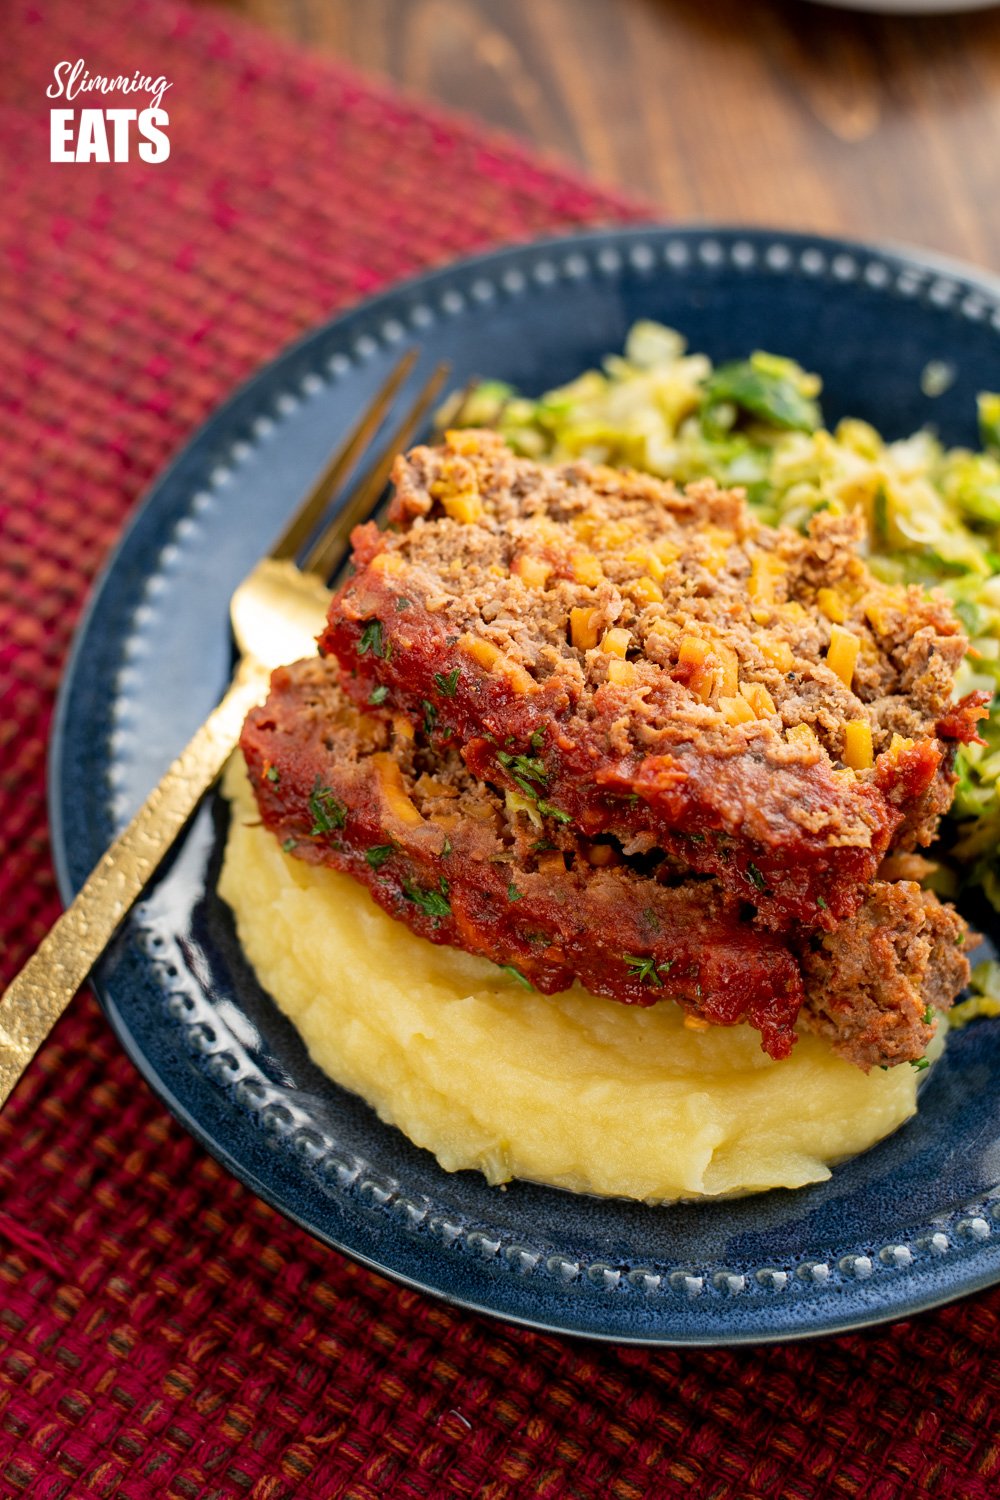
659	666
469	865
465	865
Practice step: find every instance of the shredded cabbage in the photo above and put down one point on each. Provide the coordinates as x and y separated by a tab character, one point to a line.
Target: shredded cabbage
932	513
985	997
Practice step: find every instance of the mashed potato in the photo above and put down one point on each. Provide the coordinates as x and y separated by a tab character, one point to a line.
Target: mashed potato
571	1090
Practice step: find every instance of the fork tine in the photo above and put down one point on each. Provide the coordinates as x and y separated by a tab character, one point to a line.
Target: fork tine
305	519
330	547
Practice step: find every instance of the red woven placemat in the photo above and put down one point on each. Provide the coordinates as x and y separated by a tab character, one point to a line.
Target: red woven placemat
162	1332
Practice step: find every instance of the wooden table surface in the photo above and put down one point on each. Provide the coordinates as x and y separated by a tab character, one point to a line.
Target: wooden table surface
755	111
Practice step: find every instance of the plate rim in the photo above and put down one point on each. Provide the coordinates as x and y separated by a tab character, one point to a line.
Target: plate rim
227	413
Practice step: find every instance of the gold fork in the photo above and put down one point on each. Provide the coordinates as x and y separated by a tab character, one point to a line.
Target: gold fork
276	613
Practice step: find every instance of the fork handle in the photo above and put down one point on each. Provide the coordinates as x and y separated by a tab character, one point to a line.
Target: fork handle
38	995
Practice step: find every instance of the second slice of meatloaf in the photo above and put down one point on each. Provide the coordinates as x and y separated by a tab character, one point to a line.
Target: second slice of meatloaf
462	863
660	666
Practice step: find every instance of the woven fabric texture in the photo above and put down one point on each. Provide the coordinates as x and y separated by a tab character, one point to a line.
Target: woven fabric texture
162	1332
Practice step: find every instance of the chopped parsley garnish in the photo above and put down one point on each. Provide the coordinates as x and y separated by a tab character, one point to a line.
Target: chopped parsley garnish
372	640
754	875
920	1064
328	812
516	974
928	1015
524	769
434	903
289	845
273	774
446	847
696	838
378	854
821	903
513	894
402	603
379	694
541	845
548	811
430	715
447	684
644	969
538	739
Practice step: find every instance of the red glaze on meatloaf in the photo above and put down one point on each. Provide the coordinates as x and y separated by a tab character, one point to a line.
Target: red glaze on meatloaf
658	666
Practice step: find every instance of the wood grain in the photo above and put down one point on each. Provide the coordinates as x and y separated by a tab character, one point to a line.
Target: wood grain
753	111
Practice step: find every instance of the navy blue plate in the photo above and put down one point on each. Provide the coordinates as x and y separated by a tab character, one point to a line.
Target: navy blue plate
913	1222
